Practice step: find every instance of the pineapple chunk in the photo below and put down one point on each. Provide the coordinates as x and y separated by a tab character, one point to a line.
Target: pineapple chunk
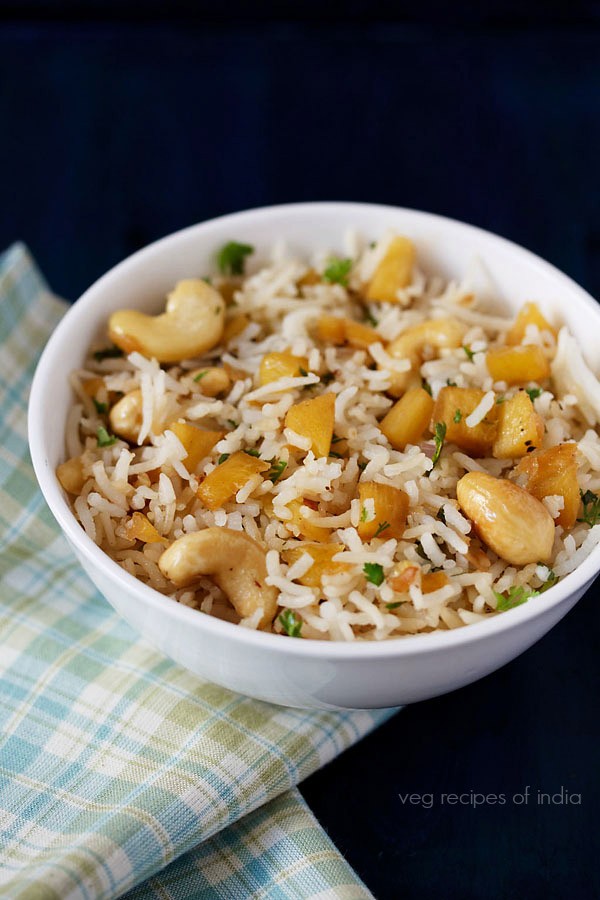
304	524
70	475
453	406
408	418
433	581
314	419
529	314
274	366
520	428
197	442
234	327
225	481
333	330
92	386
394	272
404	574
391	508
322	555
518	365
139	528
554	471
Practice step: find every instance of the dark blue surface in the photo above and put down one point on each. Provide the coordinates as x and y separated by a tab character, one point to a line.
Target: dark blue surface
117	132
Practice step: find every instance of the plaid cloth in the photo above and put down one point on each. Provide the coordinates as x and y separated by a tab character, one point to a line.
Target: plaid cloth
116	763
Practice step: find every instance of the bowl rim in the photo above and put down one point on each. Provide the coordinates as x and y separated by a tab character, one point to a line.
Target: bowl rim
401	646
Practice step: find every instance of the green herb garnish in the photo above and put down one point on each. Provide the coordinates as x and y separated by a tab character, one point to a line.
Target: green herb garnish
381	528
337	271
276	470
200	375
231	258
469	353
252	452
500	399
591	508
100	407
426	386
109	353
549	582
393	605
450	383
104	438
222	458
533	393
439	436
515	596
368	317
292	624
457	416
364	514
373	573
232	422
303	372
441	515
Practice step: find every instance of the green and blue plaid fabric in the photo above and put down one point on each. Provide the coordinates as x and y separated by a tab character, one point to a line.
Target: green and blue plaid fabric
119	770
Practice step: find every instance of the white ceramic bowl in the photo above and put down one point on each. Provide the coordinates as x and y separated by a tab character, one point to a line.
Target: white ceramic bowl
284	670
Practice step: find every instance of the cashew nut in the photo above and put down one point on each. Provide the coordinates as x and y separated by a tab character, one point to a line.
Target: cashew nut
212	380
126	416
191	324
234	561
437	333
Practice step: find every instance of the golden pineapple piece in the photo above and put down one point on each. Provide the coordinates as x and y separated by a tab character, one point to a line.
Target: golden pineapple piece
408	418
403	575
274	366
554	471
70	475
197	442
453	406
224	482
91	386
529	314
391	508
234	327
234	373
303	523
433	581
322	555
395	271
335	330
314	419
212	380
518	365
139	528
520	428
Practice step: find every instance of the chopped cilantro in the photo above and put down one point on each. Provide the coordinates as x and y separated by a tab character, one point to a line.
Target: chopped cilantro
421	552
450	383
550	581
469	353
364	514
104	438
381	528
207	279
441	515
292	624
533	393
500	399
457	416
100	407
393	605
232	422
251	451
368	317
337	271
515	596
200	375
276	470
426	386
439	436
591	508
373	573
222	458
303	372
109	353
231	258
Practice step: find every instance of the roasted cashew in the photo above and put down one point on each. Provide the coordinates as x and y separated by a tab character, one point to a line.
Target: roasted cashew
212	380
191	324
436	333
234	561
126	415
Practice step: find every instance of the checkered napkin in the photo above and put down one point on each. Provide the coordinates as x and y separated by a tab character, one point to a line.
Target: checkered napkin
115	763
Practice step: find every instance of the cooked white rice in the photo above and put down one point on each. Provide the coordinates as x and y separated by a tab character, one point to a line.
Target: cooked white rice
283	305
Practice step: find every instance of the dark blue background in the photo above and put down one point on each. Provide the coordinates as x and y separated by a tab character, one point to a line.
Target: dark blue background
119	127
